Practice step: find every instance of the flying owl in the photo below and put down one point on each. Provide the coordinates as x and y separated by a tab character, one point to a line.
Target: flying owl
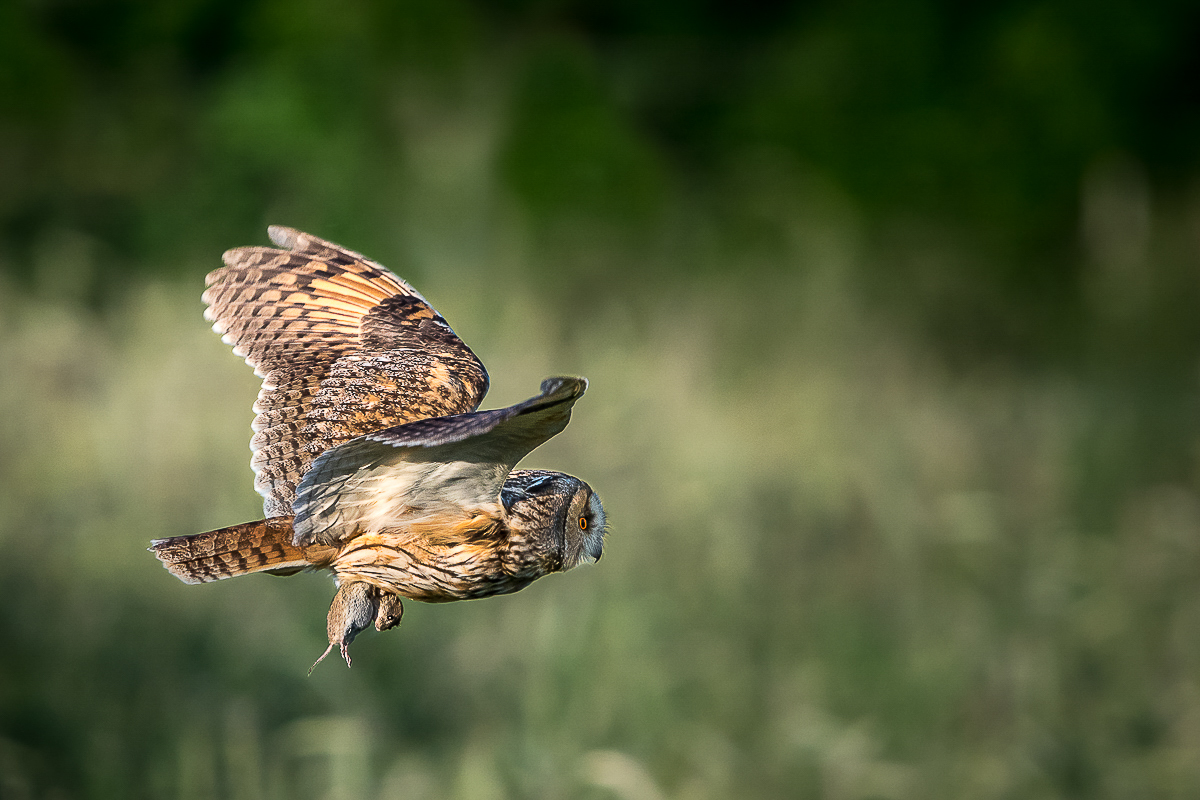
369	452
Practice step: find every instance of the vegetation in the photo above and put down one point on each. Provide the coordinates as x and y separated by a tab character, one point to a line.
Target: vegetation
888	313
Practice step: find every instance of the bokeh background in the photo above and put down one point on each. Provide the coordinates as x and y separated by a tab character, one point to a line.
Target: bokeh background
889	309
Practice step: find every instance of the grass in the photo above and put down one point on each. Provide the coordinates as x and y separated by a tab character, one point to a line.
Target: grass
839	568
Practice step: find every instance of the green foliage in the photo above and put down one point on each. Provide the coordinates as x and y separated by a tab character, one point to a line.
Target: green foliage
569	152
168	131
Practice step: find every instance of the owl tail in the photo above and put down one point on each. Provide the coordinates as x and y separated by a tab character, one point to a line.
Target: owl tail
264	545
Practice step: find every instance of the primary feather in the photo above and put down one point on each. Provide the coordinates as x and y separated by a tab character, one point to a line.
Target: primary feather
344	348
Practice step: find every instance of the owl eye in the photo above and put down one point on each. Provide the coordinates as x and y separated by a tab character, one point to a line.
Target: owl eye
583	523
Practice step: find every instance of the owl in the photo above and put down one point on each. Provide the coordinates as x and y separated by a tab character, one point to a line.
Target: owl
369	452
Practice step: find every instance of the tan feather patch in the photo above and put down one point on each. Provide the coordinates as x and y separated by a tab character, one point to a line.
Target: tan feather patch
300	317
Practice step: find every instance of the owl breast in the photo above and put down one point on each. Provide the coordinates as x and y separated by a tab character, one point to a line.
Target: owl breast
435	572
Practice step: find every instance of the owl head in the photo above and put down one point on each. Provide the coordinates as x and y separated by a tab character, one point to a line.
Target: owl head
560	515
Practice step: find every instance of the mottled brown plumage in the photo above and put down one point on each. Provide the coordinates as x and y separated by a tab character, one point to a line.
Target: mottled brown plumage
368	451
343	346
261	546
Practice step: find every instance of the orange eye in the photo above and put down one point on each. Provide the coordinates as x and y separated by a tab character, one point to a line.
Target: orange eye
583	523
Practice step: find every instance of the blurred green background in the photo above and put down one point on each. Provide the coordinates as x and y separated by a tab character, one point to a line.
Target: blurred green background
889	313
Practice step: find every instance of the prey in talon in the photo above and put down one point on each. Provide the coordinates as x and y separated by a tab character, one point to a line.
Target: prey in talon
369	452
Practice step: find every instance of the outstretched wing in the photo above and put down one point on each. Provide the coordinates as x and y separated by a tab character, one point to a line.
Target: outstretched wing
437	469
344	348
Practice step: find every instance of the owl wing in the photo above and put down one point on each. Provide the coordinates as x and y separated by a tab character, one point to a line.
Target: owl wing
445	468
343	346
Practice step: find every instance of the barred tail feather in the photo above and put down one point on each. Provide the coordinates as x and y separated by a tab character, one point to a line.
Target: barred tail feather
265	544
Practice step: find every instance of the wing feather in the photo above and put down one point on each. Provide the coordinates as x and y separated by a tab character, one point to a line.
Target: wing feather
344	348
443	468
